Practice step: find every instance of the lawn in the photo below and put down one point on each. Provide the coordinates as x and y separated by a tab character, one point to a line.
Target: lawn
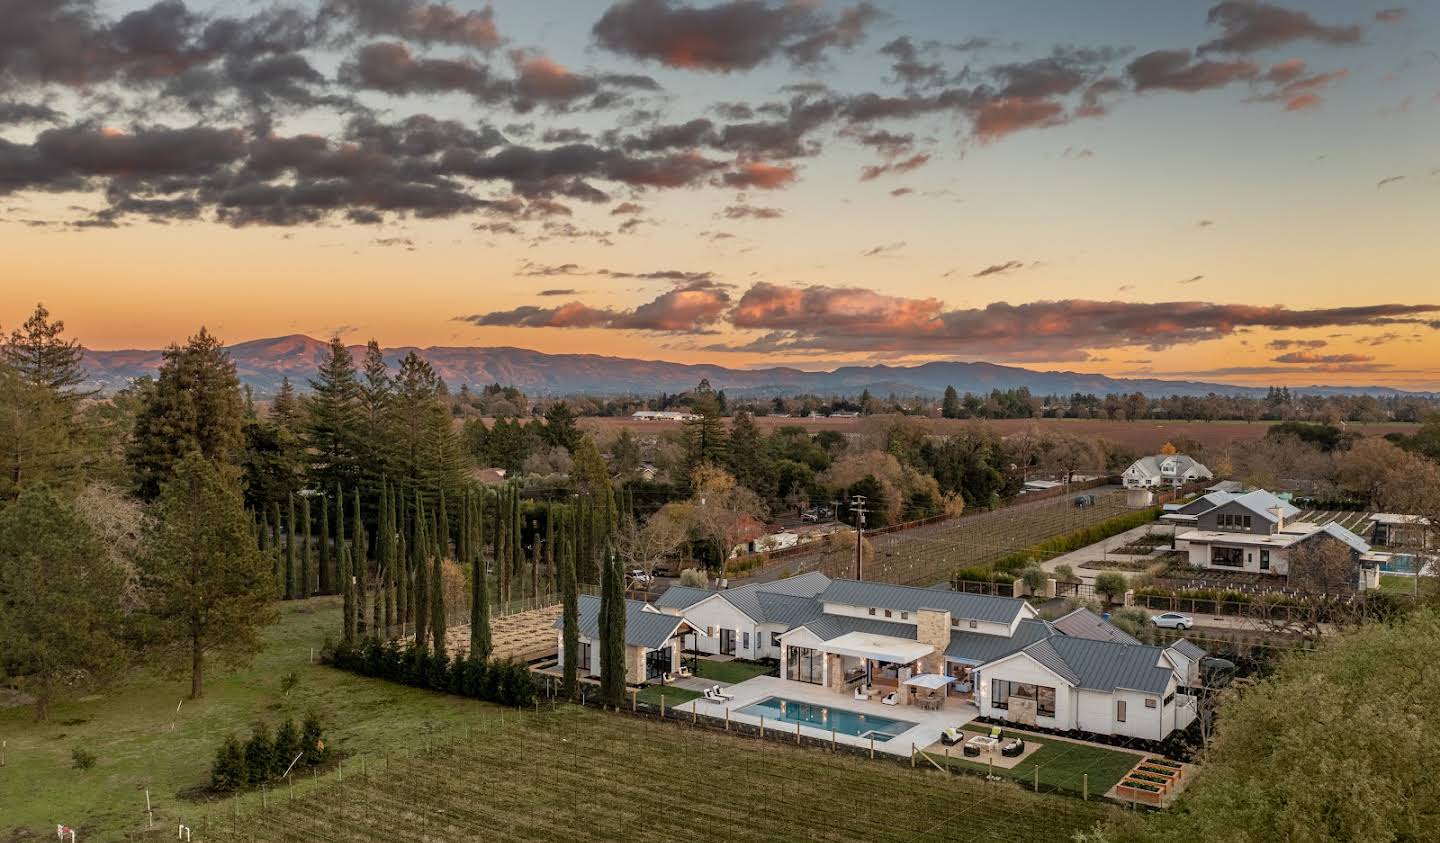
1062	764
129	731
730	672
673	696
1401	584
582	775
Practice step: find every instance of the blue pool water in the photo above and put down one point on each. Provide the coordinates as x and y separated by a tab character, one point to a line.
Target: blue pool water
827	717
1400	563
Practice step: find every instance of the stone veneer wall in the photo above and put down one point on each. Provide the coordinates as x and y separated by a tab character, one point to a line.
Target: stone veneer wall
932	627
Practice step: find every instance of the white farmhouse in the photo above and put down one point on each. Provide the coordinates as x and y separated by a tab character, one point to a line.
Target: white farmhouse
1164	471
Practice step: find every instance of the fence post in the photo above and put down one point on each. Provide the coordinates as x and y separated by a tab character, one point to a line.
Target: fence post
762	725
662	706
1085	786
912	755
727	718
1037	778
634	694
797	734
872	747
832	738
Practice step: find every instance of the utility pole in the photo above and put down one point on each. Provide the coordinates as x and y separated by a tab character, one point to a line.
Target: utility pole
857	507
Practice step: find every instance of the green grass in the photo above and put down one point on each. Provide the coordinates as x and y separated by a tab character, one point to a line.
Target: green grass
128	730
582	775
1401	584
673	696
729	672
1062	764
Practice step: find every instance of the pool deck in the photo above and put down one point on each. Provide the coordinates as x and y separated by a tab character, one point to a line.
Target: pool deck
929	724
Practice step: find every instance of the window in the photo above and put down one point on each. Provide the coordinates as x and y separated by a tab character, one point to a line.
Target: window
774	639
745	641
659	662
887	613
1228	521
974	625
803	664
904	616
1001	690
1264	560
1169	699
583	658
955	622
709	632
1150	702
872	610
1120	711
1227	557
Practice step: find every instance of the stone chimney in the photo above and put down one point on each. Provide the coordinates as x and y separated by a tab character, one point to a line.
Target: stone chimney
932	626
1279	512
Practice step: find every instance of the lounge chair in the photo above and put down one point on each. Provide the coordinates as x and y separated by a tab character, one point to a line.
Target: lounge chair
952	736
860	693
890	699
684	670
1013	749
996	733
723	694
711	696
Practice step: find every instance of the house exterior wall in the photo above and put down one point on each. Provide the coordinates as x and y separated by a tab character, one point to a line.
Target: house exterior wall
1260	525
933	628
913	618
763	648
803	638
1200	557
714	614
1021	668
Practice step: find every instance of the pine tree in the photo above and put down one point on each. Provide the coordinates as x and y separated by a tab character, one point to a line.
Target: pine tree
277	558
950	407
285	409
480	646
326	572
570	614
45	361
291	538
332	424
307	559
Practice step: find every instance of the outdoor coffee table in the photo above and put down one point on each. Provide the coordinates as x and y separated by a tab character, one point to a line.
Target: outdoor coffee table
984	743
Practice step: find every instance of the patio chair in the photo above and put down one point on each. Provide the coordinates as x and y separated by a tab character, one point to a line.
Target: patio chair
971	751
1013	749
952	736
684	670
890	699
860	693
996	733
710	696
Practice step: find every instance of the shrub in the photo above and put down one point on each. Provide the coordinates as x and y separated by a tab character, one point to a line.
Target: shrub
228	772
82	759
1110	584
1035	580
288	683
694	578
312	739
287	746
1064	573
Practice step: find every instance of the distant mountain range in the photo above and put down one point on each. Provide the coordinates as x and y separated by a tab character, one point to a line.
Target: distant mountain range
262	364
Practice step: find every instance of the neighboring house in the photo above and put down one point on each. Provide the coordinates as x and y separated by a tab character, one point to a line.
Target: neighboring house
647	471
488	476
745	622
653	640
1163	470
662	415
1390	529
1077	673
1253	532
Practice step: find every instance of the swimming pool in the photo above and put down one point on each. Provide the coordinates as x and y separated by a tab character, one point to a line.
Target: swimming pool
827	717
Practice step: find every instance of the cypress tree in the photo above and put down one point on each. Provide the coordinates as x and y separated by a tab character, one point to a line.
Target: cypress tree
612	632
437	603
517	557
307	561
264	532
480	646
502	553
275	543
347	579
420	594
386	540
291	534
359	560
327	579
402	559
570	617
549	548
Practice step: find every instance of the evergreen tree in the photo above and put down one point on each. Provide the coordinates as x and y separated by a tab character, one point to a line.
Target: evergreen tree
285	409
347	576
385	558
287	746
950	407
401	557
480	646
39	437
420	593
705	440
44	360
359	560
560	430
307	560
502	543
277	558
193	405
570	613
749	458
292	536
625	453
377	394
438	624
229	773
60	595
259	754
332	424
326	572
612	631
209	589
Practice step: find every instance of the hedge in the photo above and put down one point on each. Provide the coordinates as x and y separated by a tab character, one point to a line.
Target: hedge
505	681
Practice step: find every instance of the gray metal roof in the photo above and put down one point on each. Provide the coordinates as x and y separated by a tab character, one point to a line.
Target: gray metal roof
644	627
827	627
750	599
979	648
1335	531
1187	649
1083	623
682	597
788	610
979	607
1104	665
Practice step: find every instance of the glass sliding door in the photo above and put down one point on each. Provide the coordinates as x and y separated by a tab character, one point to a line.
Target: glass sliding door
803	664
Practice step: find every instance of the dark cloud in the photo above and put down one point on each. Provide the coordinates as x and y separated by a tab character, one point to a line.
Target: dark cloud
742	211
423	23
902	191
1388	180
1194	279
757	174
998	268
1292	85
732	35
883	250
1178	70
1312	357
905	165
687	308
20	113
1250	25
910	69
1283	345
389	67
626	209
557	292
564	136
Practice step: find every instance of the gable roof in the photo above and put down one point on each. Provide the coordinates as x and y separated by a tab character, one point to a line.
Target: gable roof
1261	502
1205	503
761	602
644	627
979	648
1187	649
1083	623
1336	531
826	627
682	597
1104	665
1150	466
904	598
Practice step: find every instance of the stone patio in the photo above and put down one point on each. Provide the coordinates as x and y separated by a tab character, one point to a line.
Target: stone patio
926	731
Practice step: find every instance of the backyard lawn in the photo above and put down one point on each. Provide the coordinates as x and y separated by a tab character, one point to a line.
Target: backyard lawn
1062	764
730	672
674	696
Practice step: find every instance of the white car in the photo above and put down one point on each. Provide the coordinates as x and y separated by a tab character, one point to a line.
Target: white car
640	576
1173	620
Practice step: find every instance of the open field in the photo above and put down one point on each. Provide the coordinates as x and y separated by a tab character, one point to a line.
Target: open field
579	774
518	782
1145	435
930	554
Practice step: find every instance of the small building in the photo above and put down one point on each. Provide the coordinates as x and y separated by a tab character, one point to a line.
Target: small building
1394	530
653	640
1164	471
662	415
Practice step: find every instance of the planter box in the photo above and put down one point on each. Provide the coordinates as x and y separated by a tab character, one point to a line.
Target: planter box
1150	797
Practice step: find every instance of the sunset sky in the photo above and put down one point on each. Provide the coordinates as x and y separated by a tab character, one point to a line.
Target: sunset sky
1241	192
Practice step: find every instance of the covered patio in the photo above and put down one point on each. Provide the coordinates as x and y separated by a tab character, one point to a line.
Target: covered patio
880	667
